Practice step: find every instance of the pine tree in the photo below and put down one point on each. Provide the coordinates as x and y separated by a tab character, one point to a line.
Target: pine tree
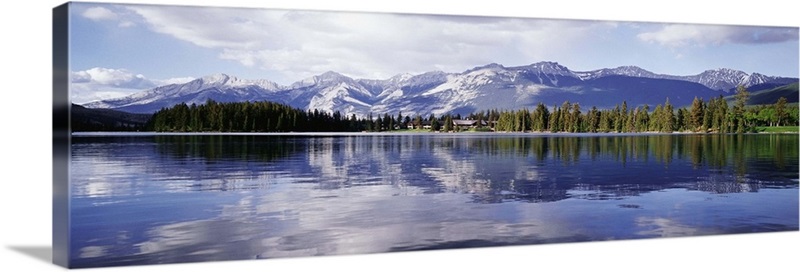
710	120
576	118
370	126
780	111
721	114
696	114
656	122
668	117
605	122
680	120
643	119
435	124
281	123
541	118
566	117
616	119
399	123
622	117
378	124
739	108
630	121
592	120
555	120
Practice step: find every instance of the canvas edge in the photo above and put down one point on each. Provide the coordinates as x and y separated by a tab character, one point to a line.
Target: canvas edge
62	130
61	136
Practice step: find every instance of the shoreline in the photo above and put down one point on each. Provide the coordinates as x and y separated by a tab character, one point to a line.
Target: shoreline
401	133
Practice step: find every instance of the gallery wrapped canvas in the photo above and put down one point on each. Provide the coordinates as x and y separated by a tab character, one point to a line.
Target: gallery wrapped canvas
190	134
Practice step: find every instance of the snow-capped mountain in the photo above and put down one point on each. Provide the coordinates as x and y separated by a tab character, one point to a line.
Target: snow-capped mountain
218	87
330	92
727	80
631	71
722	79
491	86
548	73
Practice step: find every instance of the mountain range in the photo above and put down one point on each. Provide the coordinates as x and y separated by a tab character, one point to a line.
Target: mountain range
491	86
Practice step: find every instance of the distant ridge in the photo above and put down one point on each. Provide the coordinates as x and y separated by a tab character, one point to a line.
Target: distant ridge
83	119
492	86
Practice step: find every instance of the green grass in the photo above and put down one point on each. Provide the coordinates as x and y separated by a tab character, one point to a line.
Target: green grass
785	129
408	130
484	129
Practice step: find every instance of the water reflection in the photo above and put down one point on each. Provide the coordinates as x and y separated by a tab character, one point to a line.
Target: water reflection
491	169
496	164
161	199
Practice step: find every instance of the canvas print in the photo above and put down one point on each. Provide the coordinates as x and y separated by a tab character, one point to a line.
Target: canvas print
196	134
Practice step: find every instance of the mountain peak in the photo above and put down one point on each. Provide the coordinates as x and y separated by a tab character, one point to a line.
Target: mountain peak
549	66
483	87
400	77
546	62
330	76
724	71
493	65
631	70
220	78
490	66
721	78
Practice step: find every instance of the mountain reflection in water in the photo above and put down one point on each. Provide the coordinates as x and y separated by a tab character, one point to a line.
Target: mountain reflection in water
180	198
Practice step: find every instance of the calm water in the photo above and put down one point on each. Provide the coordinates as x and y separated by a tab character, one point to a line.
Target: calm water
181	198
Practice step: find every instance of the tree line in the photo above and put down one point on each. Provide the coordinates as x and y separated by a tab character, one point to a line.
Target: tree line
248	117
265	116
714	115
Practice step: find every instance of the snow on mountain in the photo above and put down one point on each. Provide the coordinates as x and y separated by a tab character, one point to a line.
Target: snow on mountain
324	79
720	79
550	68
219	87
331	92
438	92
491	86
548	73
631	71
756	78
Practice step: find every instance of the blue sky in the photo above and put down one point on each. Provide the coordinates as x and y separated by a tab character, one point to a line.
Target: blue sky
120	49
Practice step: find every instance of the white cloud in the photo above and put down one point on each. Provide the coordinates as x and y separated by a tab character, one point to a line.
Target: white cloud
81	93
80	77
100	83
112	77
99	14
298	44
103	14
679	35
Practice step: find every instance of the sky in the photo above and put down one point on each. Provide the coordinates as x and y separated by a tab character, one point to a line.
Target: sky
118	49
26	57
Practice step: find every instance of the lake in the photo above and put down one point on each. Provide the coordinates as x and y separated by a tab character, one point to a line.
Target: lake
147	199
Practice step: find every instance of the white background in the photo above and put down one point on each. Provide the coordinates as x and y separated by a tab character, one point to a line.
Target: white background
26	152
